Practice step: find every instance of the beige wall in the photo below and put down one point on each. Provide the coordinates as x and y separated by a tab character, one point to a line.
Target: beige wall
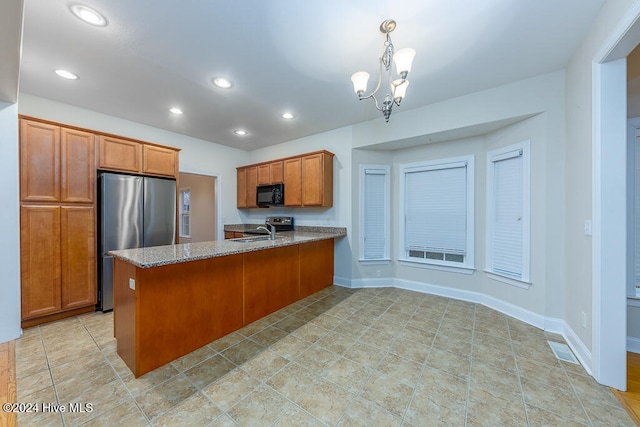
203	212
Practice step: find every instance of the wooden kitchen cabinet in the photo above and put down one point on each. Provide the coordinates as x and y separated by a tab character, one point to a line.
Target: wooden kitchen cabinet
276	172
39	162
251	183
119	154
78	256
263	175
57	221
241	187
317	180
159	161
40	260
307	178
293	182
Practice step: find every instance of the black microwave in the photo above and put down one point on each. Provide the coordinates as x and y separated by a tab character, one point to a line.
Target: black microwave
270	195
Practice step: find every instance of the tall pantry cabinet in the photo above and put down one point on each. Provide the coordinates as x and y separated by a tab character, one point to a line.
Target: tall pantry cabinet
57	221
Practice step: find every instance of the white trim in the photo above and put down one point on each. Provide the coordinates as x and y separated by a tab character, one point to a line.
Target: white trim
633	344
551	324
374	261
508	280
387	210
435	266
467	161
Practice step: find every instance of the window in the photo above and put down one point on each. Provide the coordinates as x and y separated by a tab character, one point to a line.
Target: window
374	213
437	204
185	212
508	220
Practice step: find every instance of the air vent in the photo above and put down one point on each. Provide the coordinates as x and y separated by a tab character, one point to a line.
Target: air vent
563	352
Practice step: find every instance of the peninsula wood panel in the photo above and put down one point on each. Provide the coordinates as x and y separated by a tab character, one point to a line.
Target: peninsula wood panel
271	281
8	381
78	256
119	154
179	308
124	313
159	161
39	162
316	266
40	260
78	170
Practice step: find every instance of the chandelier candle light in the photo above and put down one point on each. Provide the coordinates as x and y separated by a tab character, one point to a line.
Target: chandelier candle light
402	58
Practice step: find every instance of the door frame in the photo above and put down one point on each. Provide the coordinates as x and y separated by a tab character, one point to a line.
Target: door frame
219	226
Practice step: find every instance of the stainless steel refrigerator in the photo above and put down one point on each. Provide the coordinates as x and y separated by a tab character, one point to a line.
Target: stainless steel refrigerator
135	212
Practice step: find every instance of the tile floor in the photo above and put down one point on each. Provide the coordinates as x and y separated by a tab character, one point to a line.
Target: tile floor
371	357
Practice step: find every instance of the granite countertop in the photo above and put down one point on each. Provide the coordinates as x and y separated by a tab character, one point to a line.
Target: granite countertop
172	254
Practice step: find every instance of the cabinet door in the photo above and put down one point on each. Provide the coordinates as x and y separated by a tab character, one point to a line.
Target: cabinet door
317	180
263	175
241	188
159	161
293	182
40	260
276	172
78	256
252	181
119	154
39	162
78	173
316	266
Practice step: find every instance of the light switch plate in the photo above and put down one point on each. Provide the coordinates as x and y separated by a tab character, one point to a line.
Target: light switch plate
132	284
587	227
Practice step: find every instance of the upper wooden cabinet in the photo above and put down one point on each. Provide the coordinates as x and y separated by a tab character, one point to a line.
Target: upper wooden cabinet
56	164
136	157
308	180
159	161
119	154
39	162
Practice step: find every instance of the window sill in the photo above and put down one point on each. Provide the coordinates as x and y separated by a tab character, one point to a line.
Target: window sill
508	280
440	267
374	261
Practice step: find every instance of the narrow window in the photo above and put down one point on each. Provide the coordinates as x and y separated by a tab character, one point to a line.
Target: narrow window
374	213
508	214
185	212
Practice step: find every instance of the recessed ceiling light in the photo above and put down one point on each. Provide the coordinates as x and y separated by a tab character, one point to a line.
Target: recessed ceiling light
240	132
175	110
222	83
88	15
287	116
66	74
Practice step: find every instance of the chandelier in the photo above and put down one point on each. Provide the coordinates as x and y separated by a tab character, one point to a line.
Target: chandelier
398	87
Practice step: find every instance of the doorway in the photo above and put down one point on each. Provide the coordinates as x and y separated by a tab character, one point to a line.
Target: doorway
197	208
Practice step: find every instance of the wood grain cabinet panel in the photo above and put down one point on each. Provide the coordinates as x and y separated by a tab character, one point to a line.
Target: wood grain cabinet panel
251	183
78	263
293	182
263	175
39	162
317	180
241	187
78	171
119	154
276	172
316	266
270	281
159	161
40	260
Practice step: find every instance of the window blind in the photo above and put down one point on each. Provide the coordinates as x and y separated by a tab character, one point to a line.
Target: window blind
507	221
436	210
374	229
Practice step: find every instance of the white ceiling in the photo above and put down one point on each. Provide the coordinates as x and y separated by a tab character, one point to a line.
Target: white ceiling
284	55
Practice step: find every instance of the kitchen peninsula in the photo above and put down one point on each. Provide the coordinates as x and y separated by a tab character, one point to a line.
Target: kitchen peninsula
171	300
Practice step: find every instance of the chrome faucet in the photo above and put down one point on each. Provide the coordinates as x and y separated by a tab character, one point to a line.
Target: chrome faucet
272	231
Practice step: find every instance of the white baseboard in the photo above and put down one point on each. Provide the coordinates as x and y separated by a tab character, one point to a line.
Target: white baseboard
551	324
